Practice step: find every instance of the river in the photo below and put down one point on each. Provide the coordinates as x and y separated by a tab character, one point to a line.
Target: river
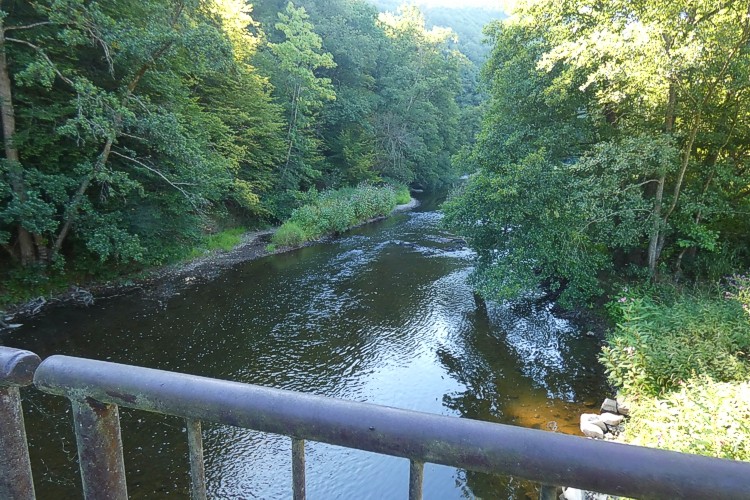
383	315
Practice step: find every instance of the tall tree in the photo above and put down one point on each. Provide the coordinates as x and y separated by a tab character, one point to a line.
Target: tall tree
299	56
112	87
610	139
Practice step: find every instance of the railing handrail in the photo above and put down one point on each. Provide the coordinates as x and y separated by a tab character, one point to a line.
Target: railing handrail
535	455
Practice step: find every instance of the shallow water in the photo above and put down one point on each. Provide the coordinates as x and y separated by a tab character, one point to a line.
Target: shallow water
383	315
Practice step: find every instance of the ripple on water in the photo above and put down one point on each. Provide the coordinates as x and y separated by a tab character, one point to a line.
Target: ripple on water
383	315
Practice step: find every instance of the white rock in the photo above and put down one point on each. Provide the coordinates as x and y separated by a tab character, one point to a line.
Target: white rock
573	494
611	419
595	419
591	430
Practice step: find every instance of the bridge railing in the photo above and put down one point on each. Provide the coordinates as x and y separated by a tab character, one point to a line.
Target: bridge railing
16	370
96	389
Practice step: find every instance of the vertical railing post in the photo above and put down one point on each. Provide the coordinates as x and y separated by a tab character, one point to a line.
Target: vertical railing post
16	370
298	469
416	478
548	492
197	468
97	427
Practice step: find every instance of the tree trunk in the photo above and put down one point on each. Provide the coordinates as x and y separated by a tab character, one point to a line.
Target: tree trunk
656	242
26	250
653	246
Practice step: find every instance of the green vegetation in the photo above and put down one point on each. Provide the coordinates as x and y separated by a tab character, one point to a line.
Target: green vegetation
615	143
129	126
614	149
403	196
225	240
662	340
682	358
333	212
704	417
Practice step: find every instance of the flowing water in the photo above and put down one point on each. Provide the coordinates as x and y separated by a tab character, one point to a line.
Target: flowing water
383	314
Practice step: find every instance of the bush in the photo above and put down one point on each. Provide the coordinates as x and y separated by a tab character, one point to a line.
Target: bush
657	345
225	240
403	196
333	212
289	235
703	417
683	359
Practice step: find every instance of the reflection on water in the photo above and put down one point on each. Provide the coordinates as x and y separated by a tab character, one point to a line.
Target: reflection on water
382	315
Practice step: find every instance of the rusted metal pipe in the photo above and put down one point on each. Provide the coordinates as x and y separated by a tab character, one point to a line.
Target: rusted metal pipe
416	478
97	427
16	370
535	455
197	468
299	485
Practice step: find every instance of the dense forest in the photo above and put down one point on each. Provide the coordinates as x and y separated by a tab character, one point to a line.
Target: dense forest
616	144
132	129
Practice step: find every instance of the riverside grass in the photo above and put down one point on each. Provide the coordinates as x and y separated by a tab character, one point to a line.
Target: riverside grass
333	212
683	359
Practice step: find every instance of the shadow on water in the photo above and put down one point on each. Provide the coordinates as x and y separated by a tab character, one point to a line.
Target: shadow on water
383	315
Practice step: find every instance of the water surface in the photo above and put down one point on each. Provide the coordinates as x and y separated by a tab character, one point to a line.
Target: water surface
382	315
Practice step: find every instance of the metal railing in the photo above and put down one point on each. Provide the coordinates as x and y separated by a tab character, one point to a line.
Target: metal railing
97	388
16	370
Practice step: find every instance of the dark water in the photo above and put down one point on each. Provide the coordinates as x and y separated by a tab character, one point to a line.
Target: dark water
382	315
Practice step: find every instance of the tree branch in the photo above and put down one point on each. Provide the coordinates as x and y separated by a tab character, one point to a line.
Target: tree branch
28	26
45	56
153	170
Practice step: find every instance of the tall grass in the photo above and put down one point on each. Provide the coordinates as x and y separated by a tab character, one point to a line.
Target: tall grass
333	212
225	240
683	358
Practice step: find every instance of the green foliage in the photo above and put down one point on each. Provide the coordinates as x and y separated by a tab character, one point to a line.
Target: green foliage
702	416
682	359
661	342
298	57
225	240
138	121
290	234
333	212
403	195
608	143
738	288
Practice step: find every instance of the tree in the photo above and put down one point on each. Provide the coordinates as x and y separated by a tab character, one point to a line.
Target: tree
108	102
607	142
419	81
299	56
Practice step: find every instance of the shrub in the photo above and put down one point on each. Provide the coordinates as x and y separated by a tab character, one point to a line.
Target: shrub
683	358
657	345
703	417
739	289
289	235
403	195
334	212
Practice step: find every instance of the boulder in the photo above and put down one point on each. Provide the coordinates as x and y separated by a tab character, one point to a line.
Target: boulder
611	419
595	419
615	406
574	494
592	430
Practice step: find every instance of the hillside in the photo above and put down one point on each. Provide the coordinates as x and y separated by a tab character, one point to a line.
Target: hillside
467	22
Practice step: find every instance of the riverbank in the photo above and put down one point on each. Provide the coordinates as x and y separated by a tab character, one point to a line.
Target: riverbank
164	281
680	358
